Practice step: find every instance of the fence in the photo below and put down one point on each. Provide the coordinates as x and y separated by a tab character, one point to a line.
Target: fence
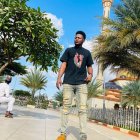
125	118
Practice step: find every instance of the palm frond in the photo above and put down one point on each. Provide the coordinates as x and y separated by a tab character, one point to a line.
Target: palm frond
119	43
59	97
93	88
131	94
34	80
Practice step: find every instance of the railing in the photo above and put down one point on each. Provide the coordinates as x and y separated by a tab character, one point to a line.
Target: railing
125	118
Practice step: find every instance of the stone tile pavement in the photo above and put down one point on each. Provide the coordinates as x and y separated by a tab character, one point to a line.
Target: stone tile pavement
39	124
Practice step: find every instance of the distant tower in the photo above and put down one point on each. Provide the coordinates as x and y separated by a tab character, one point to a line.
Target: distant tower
107	5
106	12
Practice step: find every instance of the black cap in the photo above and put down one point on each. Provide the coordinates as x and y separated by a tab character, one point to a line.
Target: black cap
82	33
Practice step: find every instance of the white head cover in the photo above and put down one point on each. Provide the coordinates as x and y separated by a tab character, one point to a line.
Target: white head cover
8	78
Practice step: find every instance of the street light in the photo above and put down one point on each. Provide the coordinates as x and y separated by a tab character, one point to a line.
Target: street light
104	107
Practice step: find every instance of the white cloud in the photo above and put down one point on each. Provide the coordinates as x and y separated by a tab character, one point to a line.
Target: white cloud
57	22
88	44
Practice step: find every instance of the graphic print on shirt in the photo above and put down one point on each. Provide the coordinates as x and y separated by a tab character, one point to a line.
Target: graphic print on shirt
78	59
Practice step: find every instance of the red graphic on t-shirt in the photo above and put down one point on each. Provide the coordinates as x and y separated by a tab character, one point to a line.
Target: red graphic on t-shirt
78	59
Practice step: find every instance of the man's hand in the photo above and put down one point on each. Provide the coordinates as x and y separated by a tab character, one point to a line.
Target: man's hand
60	74
88	78
58	83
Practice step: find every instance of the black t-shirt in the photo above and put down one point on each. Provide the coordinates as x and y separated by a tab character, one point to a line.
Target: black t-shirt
77	59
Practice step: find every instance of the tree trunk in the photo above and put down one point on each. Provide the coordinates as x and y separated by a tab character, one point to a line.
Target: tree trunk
3	67
33	93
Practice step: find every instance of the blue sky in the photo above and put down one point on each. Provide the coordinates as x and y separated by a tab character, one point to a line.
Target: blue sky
68	16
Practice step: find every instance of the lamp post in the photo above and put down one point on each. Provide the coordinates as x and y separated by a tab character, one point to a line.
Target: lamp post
106	12
107	5
104	107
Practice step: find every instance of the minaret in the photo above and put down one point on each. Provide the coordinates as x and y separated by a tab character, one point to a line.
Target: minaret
107	5
106	12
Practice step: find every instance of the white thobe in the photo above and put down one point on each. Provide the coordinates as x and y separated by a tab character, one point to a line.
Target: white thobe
5	96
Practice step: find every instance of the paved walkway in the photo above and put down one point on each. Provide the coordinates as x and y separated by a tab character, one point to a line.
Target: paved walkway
39	124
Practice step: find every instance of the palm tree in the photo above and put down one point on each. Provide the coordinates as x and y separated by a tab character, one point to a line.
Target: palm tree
131	94
59	97
119	44
93	89
34	80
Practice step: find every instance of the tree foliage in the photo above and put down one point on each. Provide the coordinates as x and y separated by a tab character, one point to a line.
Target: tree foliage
59	97
14	69
34	80
131	94
119	43
1	79
93	89
22	93
25	31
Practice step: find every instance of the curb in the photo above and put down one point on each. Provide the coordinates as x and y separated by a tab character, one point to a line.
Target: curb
31	106
136	134
117	128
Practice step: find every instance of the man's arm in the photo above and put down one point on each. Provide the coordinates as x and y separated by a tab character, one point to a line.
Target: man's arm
60	74
90	74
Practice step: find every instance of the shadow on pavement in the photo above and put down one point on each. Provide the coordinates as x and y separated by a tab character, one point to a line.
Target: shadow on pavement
73	131
23	113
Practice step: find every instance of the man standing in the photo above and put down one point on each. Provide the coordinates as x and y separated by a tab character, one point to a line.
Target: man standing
77	67
5	96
